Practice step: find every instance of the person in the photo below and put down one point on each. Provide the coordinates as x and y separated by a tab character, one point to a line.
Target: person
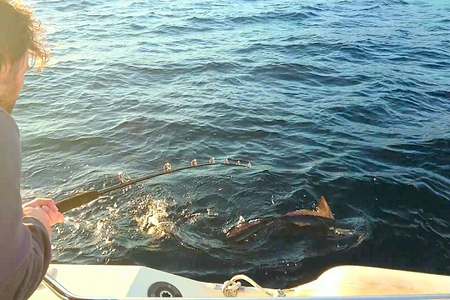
25	231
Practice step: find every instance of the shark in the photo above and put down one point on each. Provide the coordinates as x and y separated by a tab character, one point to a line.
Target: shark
319	218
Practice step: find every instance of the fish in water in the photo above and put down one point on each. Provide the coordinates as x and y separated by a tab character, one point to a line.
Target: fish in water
319	218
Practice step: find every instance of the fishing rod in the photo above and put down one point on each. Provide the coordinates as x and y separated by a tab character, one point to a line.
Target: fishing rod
86	197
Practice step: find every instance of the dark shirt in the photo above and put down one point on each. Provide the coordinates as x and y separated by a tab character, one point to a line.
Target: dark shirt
24	242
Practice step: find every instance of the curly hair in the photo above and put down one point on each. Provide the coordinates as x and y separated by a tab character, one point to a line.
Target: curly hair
20	32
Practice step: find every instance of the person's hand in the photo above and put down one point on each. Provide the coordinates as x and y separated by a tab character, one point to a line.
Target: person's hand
45	211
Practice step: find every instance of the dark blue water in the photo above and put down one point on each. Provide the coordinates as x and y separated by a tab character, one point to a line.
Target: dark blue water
347	99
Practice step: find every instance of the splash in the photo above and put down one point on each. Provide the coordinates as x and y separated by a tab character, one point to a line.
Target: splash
155	221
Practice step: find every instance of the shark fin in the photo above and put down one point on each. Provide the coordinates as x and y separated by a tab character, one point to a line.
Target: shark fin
323	209
242	231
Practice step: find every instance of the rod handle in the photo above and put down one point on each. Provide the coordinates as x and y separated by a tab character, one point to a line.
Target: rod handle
77	200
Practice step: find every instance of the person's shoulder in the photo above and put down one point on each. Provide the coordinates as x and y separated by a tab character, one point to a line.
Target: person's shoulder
9	134
8	126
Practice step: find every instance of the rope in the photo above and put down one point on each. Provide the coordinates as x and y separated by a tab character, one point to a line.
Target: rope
231	287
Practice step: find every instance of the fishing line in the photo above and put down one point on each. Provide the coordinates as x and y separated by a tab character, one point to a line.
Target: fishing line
86	197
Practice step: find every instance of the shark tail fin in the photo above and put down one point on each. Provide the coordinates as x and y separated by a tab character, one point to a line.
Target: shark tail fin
324	209
245	229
